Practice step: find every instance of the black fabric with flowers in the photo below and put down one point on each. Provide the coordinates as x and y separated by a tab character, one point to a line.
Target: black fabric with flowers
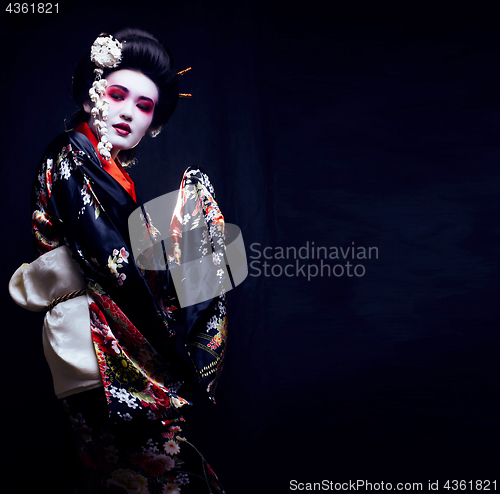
134	314
139	457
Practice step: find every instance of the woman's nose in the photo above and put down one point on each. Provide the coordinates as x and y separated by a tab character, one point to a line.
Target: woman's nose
127	111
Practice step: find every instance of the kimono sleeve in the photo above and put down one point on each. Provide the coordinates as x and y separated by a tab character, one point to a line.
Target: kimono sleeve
206	320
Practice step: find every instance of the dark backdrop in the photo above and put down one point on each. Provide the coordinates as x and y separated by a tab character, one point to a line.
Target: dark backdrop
364	126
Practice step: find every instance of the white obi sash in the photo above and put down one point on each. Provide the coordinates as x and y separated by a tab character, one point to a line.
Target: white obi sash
66	336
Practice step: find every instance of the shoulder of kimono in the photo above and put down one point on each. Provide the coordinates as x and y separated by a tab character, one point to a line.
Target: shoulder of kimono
80	145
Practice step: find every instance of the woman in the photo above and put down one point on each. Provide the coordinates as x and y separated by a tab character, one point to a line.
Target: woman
118	343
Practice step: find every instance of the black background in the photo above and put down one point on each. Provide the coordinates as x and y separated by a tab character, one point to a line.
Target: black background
318	123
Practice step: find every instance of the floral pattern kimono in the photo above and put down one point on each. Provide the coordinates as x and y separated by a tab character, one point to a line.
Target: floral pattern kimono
138	329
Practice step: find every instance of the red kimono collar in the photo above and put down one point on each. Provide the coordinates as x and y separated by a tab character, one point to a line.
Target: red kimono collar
112	167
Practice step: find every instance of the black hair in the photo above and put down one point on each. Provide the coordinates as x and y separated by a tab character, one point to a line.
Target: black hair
142	52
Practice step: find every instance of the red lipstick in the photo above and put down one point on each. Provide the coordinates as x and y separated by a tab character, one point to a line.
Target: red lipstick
122	128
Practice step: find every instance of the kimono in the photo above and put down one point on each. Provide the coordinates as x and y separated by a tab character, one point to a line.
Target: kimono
146	344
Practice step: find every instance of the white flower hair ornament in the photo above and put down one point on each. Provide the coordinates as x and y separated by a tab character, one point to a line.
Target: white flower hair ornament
106	53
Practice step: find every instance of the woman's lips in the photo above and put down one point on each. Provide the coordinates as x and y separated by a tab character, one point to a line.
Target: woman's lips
122	129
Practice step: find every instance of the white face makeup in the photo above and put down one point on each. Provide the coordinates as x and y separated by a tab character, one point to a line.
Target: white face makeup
132	98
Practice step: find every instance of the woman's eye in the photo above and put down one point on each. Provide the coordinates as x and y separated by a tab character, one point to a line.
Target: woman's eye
146	108
116	96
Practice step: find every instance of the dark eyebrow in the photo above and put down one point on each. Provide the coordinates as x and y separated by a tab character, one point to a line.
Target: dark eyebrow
146	99
125	90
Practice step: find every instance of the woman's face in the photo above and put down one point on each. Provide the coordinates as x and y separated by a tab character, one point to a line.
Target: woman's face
132	98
